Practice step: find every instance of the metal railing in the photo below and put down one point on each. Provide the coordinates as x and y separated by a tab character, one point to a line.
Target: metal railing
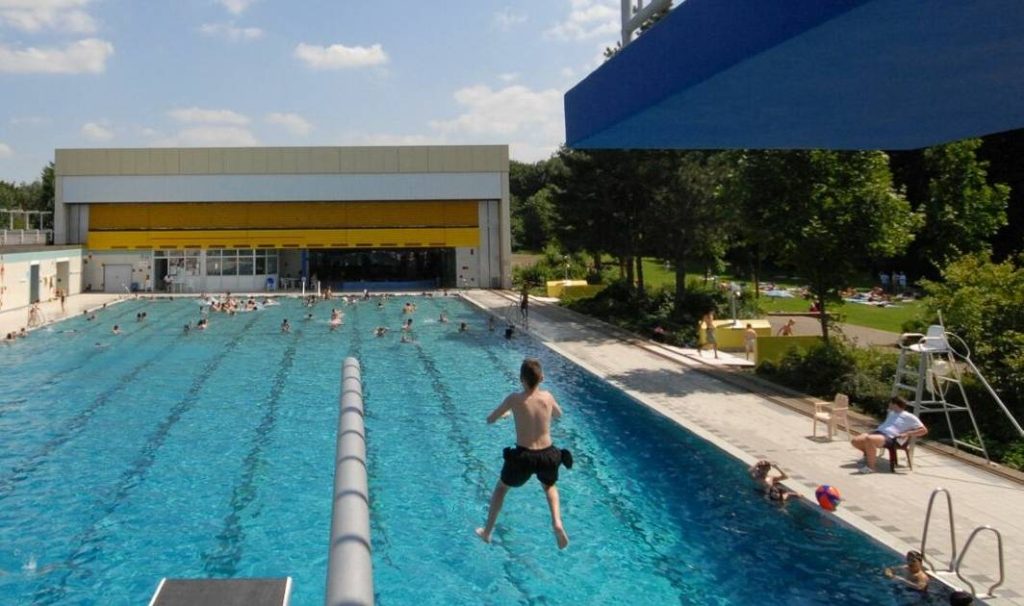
927	523
349	561
999	546
13	237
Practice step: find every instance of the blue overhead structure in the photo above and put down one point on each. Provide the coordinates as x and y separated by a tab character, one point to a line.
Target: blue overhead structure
791	74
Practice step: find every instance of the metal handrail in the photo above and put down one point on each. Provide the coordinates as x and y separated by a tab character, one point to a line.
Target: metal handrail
999	544
349	561
952	529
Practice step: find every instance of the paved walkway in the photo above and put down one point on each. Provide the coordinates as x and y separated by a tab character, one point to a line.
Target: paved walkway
750	425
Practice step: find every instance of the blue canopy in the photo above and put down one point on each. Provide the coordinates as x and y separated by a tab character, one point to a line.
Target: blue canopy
797	74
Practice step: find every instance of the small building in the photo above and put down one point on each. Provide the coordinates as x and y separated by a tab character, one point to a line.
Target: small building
253	219
31	274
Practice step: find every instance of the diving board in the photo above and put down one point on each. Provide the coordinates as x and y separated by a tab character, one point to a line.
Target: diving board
838	74
222	592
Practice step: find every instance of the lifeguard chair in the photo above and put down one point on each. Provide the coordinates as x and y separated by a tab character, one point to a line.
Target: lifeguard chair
941	370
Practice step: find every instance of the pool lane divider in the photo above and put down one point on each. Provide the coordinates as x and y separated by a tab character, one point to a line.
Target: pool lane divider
349	558
86	545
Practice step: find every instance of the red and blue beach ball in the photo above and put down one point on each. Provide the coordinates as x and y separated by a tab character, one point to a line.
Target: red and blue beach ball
828	497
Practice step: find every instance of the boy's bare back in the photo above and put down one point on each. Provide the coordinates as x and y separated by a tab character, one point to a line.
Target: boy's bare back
532	411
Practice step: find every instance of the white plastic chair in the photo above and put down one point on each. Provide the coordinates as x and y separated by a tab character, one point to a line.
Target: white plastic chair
831	414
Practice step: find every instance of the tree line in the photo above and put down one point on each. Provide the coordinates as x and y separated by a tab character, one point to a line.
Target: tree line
34	195
826	216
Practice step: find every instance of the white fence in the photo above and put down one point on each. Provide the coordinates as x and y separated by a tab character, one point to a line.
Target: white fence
13	237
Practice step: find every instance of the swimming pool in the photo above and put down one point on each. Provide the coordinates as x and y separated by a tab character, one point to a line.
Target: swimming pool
153	453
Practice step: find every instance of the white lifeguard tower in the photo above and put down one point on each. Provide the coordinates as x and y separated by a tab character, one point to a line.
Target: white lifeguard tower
940	373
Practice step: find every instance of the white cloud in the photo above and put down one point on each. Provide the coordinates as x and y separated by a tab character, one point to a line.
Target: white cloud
37	15
97	131
230	31
506	18
589	19
236	7
508	111
531	121
210	136
207	116
508	77
5	150
85	56
339	56
293	123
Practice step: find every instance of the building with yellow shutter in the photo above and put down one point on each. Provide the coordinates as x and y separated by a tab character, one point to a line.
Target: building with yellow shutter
252	219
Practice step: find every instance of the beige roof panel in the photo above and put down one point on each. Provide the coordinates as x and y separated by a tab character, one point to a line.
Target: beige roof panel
282	160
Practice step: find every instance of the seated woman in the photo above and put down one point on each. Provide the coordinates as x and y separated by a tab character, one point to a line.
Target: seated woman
771	485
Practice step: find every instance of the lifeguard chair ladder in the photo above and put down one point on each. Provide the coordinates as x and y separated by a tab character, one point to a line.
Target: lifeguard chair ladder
940	369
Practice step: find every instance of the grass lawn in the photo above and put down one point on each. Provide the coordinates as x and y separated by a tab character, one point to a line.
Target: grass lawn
882	318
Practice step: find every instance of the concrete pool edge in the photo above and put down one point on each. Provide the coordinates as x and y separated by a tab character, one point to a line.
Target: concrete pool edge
805	488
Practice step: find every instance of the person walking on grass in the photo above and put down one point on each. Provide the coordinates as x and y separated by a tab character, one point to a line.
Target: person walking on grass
534	453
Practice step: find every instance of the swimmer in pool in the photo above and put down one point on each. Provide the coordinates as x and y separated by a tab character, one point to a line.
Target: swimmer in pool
463	327
285	326
913	572
116	329
533	408
772	486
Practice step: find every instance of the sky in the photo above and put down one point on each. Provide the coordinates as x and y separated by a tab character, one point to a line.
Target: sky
194	73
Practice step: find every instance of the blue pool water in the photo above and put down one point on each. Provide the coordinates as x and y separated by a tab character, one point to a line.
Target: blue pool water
128	458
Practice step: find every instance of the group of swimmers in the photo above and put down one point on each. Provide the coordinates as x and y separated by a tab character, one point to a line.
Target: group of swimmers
231	305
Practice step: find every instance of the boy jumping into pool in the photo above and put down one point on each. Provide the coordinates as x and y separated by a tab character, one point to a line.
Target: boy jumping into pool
534	453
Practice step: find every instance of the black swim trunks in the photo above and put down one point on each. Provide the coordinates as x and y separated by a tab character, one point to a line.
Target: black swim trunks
521	463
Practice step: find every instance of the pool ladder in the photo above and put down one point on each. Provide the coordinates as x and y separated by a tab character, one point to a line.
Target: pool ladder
955	563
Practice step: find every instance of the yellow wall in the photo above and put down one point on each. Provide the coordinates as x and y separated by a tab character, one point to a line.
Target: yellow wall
286	238
271	215
284	225
731	337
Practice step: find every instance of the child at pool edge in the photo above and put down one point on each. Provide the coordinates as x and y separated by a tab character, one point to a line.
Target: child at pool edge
532	409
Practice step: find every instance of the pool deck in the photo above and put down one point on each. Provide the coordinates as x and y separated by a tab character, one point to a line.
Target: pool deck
750	419
17	318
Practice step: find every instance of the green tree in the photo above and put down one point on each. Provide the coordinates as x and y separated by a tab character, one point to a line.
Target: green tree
963	212
538	217
691	218
980	301
602	198
828	214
